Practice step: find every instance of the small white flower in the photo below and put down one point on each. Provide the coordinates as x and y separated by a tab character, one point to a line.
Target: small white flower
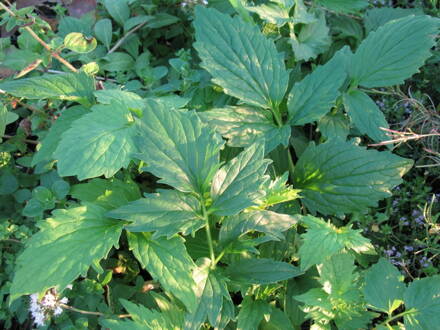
58	310
64	300
70	287
41	311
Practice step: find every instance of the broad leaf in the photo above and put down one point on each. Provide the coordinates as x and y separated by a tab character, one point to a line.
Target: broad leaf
268	222
334	125
384	287
323	240
338	177
118	10
261	271
50	142
337	274
252	313
314	96
423	297
394	52
109	194
376	17
79	43
365	115
76	87
98	143
166	213
244	126
64	248
344	6
236	185
103	31
240	59
211	292
272	12
178	148
112	96
168	262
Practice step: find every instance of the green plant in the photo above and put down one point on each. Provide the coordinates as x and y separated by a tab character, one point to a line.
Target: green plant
247	232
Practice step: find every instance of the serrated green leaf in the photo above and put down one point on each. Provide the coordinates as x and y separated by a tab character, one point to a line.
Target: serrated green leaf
178	148
50	142
109	194
277	191
394	52
344	6
314	96
337	274
271	12
261	271
166	213
98	143
211	291
365	115
78	43
323	240
240	59
244	126
76	87
423	297
312	40
338	177
118	10
384	287
268	222
65	247
376	17
236	185
334	126
104	32
252	313
169	263
301	15
129	99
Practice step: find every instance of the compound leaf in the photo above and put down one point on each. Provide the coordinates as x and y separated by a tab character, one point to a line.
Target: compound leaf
338	177
240	59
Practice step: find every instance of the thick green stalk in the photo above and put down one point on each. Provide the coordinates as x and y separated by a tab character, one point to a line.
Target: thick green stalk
208	235
392	318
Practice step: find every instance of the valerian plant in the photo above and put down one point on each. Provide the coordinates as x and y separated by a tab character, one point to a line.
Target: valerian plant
239	230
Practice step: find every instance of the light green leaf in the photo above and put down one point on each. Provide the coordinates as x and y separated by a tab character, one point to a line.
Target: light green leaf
394	52
98	143
211	292
169	263
334	125
77	87
376	17
109	194
271	12
323	240
129	99
64	248
118	10
252	313
178	148
240	58
423	297
278	191
236	185
312	40
50	142
166	213
244	126
118	61
104	32
268	222
78	43
366	115
384	287
344	6
261	271
338	177
301	15
314	96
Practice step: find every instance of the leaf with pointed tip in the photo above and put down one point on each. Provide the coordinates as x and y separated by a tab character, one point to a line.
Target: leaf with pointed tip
261	271
98	143
76	87
168	262
376	17
244	126
384	287
394	52
166	213
338	177
365	115
236	185
252	313
314	96
240	58
178	148
65	247
323	240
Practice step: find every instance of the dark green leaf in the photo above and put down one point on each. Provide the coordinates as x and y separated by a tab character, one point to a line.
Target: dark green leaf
252	313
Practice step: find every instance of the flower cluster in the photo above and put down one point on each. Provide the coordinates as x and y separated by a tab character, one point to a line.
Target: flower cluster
42	310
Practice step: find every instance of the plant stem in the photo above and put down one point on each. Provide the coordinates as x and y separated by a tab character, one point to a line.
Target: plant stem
81	311
122	40
392	318
208	235
41	41
277	117
291	165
